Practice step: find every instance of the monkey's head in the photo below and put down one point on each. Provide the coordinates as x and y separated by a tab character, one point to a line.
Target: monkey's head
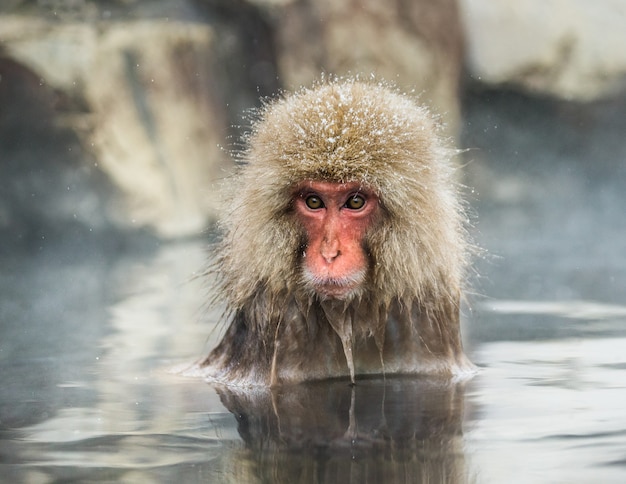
346	190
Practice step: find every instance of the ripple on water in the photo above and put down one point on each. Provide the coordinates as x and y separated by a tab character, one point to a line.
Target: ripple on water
550	410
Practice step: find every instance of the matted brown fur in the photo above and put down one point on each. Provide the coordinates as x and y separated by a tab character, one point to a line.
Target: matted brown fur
405	318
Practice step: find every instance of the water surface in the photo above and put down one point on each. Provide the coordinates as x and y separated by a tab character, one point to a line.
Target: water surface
87	334
86	395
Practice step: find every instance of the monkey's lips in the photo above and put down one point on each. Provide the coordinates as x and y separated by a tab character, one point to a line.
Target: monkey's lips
330	286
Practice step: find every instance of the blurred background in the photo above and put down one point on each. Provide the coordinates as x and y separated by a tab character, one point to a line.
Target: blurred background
118	116
117	120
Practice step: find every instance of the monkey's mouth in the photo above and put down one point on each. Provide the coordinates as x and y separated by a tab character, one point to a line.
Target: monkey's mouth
328	286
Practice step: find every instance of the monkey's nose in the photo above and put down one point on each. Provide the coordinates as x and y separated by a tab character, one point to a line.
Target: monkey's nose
330	258
330	251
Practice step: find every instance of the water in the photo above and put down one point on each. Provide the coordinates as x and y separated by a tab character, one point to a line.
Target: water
86	395
87	334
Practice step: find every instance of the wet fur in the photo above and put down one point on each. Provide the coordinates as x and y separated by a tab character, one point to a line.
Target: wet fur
405	317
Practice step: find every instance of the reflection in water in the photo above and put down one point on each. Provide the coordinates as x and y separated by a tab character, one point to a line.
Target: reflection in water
586	310
108	409
550	411
394	430
85	395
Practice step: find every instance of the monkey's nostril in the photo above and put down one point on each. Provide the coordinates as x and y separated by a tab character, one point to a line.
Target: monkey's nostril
329	255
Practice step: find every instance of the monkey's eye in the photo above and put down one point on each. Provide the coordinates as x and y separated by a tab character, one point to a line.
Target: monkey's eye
355	202
314	202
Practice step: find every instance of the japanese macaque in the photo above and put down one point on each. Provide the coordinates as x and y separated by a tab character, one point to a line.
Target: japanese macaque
343	247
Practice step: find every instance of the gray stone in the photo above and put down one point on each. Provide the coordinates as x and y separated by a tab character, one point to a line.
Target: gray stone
144	102
416	45
571	49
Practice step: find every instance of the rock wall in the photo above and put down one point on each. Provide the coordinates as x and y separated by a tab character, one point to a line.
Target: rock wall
142	99
119	115
140	96
416	45
570	49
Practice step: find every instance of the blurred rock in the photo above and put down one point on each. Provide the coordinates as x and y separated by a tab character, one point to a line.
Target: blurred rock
416	45
47	185
572	49
113	113
142	100
160	122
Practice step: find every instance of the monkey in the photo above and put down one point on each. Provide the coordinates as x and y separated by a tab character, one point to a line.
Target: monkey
344	243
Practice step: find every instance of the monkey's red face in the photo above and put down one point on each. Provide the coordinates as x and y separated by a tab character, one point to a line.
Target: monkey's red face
336	217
